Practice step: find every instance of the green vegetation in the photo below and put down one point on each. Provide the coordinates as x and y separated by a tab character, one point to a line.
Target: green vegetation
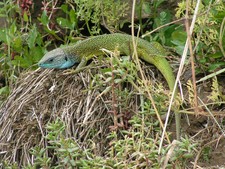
28	29
133	149
209	34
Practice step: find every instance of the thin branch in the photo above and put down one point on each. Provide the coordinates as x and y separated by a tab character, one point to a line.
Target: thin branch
184	55
141	72
211	75
222	30
192	58
162	26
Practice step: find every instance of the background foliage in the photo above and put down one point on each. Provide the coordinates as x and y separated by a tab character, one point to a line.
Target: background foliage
30	28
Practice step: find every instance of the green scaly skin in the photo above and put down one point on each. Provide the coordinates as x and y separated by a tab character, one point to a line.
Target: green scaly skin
82	51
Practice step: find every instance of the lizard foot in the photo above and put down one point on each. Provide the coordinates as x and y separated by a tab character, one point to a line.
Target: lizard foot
74	71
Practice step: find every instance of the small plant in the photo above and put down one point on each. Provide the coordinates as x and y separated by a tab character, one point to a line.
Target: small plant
93	14
135	147
216	95
208	33
61	151
206	152
184	151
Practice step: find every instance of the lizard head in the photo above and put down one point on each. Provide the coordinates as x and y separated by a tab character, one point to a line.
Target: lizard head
56	58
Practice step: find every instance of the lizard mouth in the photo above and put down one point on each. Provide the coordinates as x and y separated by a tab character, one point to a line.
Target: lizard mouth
55	59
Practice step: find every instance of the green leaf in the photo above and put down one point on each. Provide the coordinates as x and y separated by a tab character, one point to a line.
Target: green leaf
202	60
73	163
217	55
179	37
65	23
36	53
157	3
18	44
52	32
108	79
73	17
72	150
206	2
62	150
214	66
65	8
105	70
32	37
187	155
4	90
25	17
118	80
39	39
147	7
24	62
3	35
44	18
108	73
179	49
13	28
117	71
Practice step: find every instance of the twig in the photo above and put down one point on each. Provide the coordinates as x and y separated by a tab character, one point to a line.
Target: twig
141	72
184	55
222	29
222	130
199	153
162	26
211	75
192	58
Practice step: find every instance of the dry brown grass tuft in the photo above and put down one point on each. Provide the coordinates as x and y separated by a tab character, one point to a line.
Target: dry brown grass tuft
42	96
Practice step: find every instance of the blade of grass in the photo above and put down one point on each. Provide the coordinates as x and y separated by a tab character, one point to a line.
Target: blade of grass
141	72
183	58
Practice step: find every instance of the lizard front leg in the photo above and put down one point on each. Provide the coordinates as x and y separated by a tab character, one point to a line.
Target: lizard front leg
80	67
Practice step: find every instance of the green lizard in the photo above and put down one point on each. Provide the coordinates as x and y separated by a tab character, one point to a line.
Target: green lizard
82	51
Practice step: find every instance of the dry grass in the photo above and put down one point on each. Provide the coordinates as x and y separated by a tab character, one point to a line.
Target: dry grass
42	96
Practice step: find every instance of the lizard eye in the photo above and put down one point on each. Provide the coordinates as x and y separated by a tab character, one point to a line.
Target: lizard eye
66	58
50	60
